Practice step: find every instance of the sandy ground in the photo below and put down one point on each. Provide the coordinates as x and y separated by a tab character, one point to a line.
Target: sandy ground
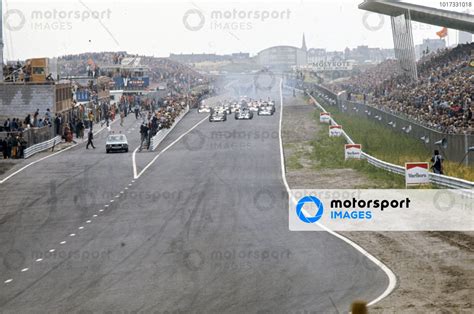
435	270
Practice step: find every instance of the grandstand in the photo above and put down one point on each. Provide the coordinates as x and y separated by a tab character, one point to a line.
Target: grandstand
441	99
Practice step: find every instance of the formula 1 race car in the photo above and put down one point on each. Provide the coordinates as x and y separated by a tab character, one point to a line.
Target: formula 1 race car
266	109
218	116
244	114
204	109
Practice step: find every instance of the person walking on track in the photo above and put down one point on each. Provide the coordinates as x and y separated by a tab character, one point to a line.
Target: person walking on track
90	137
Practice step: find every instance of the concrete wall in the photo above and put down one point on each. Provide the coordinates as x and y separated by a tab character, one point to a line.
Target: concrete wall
19	100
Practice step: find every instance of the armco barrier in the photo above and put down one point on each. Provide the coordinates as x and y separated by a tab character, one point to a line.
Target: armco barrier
30	151
159	137
445	181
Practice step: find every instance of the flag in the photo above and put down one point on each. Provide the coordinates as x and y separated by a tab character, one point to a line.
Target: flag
442	33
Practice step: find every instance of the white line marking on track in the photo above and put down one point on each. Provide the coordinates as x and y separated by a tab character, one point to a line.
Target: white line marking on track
391	276
88	222
24	269
62	242
72	235
136	176
8	280
38	260
52	250
81	227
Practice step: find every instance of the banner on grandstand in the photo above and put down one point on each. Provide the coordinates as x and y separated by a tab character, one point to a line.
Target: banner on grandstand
131	82
353	151
339	65
335	130
417	173
83	95
325	117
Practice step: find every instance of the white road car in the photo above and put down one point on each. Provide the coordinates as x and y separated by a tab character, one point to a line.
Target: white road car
116	142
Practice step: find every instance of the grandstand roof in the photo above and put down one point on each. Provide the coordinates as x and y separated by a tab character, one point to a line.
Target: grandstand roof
422	14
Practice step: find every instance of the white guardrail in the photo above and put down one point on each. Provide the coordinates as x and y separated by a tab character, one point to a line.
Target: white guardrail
160	136
442	180
30	151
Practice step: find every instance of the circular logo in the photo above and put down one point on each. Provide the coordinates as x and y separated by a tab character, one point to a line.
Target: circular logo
193	259
443	201
13	259
309	199
264	199
193	12
264	80
194	140
370	27
10	14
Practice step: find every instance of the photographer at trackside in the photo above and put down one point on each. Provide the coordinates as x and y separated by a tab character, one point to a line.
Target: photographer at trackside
437	161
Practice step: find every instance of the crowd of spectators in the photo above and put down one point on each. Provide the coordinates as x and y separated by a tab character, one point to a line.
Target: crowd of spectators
441	99
12	139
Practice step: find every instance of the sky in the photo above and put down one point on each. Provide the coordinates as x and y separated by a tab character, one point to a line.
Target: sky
37	28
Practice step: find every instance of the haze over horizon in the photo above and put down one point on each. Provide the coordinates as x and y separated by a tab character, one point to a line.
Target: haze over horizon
56	28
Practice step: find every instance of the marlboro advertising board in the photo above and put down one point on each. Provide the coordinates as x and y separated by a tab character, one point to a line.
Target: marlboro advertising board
353	151
335	130
417	173
325	117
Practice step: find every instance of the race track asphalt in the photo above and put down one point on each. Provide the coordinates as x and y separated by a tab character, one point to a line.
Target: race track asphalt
203	230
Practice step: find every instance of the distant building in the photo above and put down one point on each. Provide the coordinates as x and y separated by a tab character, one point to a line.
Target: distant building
429	46
316	55
464	37
190	58
283	57
363	54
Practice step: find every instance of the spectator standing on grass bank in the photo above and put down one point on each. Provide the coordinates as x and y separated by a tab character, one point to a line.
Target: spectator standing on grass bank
437	161
90	137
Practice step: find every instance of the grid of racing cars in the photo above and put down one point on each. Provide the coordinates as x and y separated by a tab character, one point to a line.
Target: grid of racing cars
242	109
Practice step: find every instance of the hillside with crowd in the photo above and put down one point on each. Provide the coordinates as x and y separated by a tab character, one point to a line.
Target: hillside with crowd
441	99
177	76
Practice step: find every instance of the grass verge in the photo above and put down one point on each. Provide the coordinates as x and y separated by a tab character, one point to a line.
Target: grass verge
391	146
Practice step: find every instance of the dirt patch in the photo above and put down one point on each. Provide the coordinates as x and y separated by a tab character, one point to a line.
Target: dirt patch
435	270
298	130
